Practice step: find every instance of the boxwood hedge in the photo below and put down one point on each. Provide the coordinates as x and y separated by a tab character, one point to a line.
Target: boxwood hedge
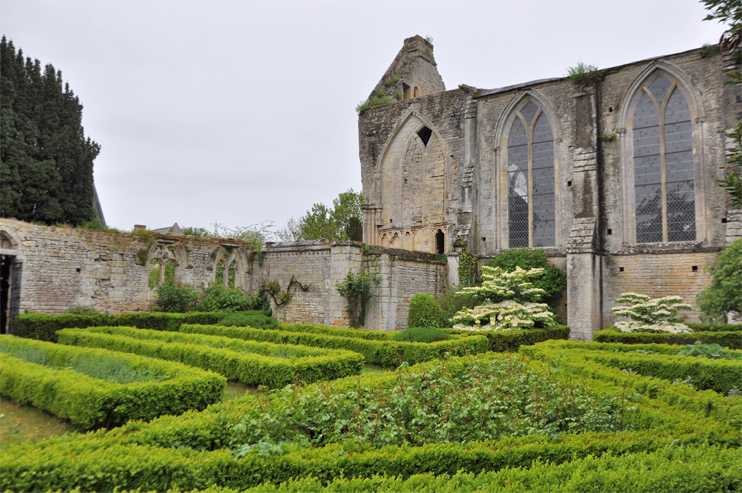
718	335
385	353
252	363
59	386
674	428
510	340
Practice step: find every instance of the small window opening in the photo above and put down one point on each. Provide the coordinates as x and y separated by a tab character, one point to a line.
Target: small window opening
407	92
610	231
694	268
569	183
440	242
391	220
620	269
610	110
78	269
424	134
416	92
723	220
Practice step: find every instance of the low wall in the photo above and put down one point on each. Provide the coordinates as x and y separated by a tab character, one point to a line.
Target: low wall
55	268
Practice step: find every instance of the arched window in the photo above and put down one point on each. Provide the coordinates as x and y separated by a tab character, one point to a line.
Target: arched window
663	163
530	163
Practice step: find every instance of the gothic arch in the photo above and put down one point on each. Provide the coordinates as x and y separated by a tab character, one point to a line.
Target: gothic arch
679	81
544	109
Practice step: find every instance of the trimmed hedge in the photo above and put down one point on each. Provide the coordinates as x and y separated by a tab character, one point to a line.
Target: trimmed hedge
44	327
252	363
501	341
389	354
715	327
671	421
731	340
131	459
92	402
335	331
720	375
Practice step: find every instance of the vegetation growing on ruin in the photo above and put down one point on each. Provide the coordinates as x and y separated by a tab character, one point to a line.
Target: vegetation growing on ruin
357	289
583	74
391	80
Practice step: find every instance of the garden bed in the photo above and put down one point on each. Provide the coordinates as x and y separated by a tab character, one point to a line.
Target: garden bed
386	353
249	362
95	387
674	437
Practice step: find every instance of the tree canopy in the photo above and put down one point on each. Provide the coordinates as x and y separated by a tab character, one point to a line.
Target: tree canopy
342	222
46	162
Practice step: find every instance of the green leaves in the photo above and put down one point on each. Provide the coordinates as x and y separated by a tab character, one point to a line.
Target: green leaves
725	292
357	289
46	162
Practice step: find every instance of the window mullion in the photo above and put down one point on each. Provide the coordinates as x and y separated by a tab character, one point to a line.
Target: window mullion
529	133
663	174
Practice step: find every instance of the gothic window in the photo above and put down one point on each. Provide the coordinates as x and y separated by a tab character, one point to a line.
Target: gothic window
663	164
531	221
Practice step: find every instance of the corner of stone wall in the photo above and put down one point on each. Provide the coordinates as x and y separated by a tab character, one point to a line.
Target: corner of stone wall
734	225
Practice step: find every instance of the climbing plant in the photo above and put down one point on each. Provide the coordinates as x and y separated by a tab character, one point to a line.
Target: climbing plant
357	289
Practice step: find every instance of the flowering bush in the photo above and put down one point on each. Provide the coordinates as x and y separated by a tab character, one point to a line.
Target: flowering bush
657	314
510	302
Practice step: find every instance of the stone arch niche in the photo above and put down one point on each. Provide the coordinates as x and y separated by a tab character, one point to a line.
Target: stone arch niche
414	173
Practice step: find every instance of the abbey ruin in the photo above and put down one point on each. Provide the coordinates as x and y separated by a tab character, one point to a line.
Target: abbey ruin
615	178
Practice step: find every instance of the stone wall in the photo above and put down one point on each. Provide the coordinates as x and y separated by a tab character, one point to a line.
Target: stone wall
58	268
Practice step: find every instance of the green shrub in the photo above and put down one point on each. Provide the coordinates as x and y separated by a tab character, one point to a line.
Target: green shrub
553	281
451	304
219	298
715	327
357	289
511	340
425	312
731	340
82	310
252	363
95	387
711	351
335	331
725	292
389	354
249	319
421	334
175	297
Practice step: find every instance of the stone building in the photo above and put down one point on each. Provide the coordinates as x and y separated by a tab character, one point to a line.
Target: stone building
615	177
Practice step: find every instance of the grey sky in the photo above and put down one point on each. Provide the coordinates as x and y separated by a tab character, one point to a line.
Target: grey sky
240	112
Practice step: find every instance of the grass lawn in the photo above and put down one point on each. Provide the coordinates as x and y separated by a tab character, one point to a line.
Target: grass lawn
20	423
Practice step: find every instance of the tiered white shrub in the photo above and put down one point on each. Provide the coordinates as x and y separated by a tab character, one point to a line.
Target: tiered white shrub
509	302
650	314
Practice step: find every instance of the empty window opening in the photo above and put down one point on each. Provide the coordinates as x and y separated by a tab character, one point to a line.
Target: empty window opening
610	110
610	231
723	220
407	92
569	183
424	134
416	92
620	269
694	268
440	242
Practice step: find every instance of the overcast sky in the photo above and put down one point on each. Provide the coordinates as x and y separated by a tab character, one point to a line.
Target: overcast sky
244	111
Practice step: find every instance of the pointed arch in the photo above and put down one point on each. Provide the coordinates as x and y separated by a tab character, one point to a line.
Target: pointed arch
663	188
528	167
413	174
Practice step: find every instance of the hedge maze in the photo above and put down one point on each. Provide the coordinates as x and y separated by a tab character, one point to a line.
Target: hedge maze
537	415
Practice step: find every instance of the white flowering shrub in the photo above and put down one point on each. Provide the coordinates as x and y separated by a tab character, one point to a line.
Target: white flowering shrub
656	314
510	302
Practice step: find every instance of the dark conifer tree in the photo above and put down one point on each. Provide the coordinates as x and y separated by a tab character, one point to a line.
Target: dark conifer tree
46	163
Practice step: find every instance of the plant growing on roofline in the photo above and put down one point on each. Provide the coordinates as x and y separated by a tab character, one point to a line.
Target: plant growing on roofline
510	302
650	315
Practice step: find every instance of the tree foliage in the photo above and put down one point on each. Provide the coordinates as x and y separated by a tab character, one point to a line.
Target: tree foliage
725	292
357	289
647	314
46	170
553	281
341	222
